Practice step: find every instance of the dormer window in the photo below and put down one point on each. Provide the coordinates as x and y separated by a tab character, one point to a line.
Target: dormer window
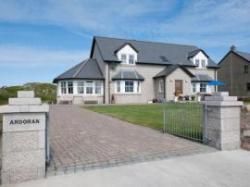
197	62
203	63
127	54
124	58
131	59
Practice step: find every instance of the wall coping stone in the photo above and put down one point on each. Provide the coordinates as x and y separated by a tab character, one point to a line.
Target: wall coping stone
25	94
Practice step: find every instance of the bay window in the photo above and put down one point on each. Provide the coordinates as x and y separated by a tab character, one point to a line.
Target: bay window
128	86
70	87
118	86
89	87
98	87
63	87
80	87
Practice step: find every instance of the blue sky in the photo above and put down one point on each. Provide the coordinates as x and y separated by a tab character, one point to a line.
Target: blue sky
40	39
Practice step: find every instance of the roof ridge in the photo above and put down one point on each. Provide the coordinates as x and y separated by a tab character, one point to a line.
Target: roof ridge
80	68
147	41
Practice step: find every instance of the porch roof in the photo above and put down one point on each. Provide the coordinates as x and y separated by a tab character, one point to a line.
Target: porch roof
202	78
168	70
128	75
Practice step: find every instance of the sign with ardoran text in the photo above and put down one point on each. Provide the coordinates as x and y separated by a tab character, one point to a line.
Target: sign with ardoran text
23	122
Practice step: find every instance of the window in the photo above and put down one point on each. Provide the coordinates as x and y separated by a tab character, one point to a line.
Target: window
80	87
161	86
63	87
194	87
197	62
131	59
203	63
248	86
124	58
89	87
203	87
118	86
98	87
246	69
70	87
138	87
129	86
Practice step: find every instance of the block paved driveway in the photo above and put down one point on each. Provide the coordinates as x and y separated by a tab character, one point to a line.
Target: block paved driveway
81	139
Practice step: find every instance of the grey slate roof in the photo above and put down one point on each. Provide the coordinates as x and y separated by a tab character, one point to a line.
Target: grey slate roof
201	78
244	55
128	75
149	52
169	69
88	69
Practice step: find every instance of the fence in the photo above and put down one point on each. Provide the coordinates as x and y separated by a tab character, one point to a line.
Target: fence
184	120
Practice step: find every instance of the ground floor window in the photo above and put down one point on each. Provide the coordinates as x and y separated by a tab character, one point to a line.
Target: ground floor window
82	87
248	86
203	87
161	86
70	87
194	87
128	86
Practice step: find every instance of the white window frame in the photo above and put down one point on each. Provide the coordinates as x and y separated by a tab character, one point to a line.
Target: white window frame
98	87
203	63
204	87
80	87
124	58
194	90
161	86
63	87
131	59
129	88
70	87
120	87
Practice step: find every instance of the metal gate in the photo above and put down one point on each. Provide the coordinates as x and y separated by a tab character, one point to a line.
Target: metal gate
184	120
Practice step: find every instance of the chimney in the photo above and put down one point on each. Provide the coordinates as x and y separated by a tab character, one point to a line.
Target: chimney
233	48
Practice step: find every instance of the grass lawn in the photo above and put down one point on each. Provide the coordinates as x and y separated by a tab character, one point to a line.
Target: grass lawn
182	119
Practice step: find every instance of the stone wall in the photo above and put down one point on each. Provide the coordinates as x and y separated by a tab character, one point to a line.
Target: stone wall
23	138
222	121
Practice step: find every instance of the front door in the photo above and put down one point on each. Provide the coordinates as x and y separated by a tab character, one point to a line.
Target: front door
178	87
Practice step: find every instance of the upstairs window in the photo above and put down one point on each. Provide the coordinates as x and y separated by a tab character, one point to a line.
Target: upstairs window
131	59
124	58
203	63
246	69
197	62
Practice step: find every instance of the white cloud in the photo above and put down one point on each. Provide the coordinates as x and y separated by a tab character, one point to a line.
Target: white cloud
19	57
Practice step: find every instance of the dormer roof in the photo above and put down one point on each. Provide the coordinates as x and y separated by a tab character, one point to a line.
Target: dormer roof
149	52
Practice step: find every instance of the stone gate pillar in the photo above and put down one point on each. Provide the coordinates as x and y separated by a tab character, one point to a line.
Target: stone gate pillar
23	138
222	121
